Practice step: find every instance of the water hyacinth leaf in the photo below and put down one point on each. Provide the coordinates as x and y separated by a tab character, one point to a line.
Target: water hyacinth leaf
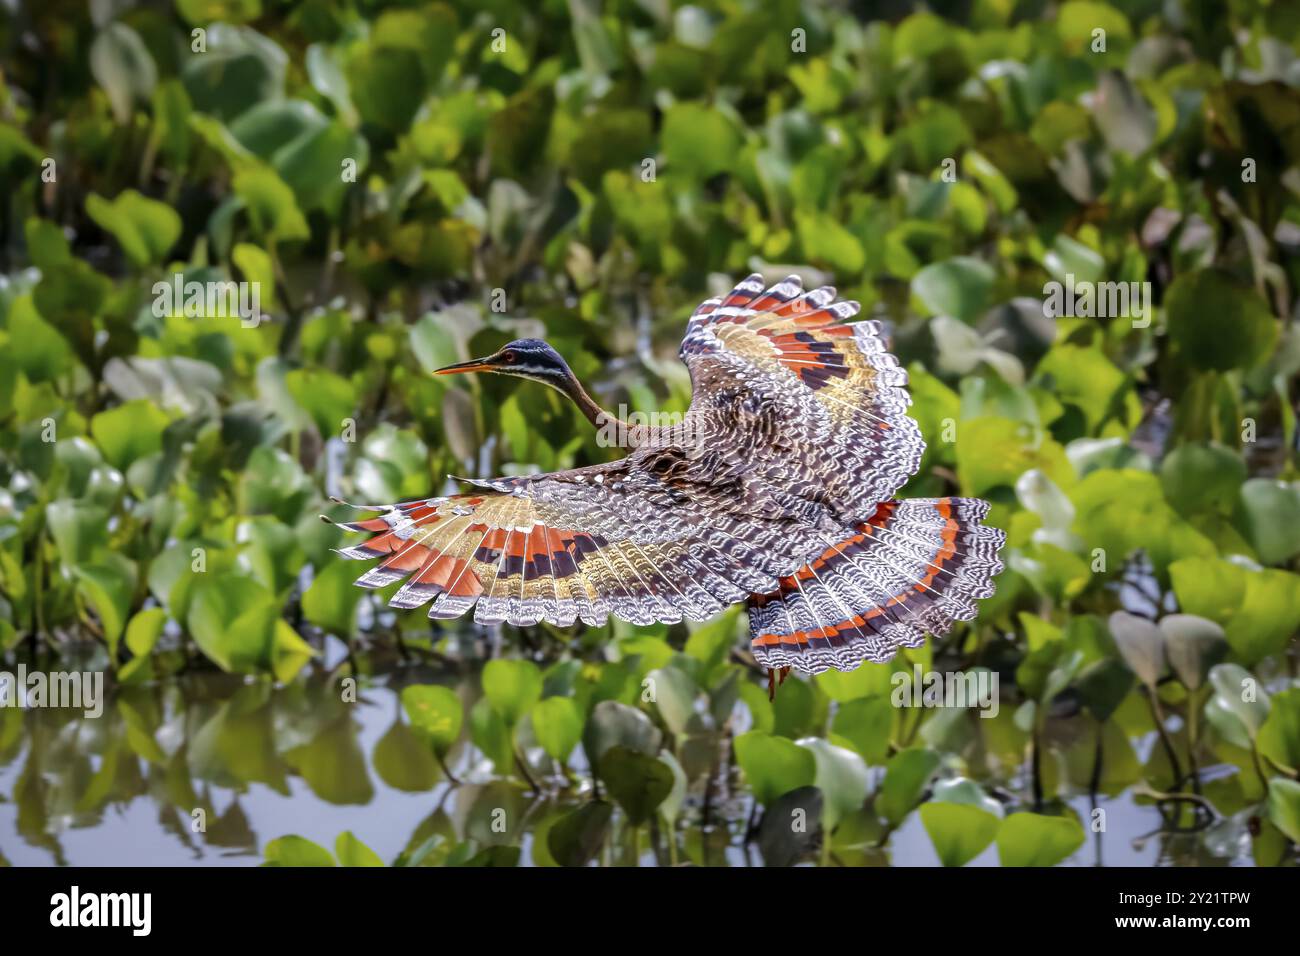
1240	696
433	341
698	140
330	602
557	725
967	793
145	228
637	782
403	761
121	64
865	723
108	586
436	712
1201	478
613	724
774	765
866	680
1193	645
1141	645
352	852
906	776
1272	514
1284	806
674	696
712	641
129	432
79	530
841	776
672	805
1279	734
143	631
513	687
1103	685
1030	839
294	850
1200	305
576	838
791	827
959	832
957	287
240	66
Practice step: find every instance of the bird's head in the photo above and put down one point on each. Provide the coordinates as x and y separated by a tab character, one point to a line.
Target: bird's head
523	358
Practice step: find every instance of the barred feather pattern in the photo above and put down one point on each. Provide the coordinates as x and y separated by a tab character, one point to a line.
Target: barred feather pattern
775	489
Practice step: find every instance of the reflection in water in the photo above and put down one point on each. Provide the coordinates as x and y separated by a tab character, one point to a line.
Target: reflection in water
208	768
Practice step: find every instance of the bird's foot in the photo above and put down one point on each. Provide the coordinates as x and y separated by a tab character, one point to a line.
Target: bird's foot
771	684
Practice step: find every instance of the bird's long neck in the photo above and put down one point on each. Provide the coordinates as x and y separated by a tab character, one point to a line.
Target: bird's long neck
571	387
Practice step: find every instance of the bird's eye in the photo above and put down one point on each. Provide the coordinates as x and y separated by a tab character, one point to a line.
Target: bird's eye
508	356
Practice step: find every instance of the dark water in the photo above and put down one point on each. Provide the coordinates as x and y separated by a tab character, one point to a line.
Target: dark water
263	761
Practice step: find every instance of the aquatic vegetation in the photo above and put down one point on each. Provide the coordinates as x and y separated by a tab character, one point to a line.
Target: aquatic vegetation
239	236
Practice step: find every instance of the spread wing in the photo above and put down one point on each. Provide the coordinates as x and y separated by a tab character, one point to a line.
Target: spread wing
797	429
609	539
842	433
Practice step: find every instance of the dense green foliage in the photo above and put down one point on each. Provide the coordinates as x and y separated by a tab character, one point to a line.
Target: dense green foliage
392	175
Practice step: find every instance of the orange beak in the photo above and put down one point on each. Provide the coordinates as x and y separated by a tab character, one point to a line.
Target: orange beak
473	365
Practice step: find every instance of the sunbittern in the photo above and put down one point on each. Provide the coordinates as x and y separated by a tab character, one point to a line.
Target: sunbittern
776	488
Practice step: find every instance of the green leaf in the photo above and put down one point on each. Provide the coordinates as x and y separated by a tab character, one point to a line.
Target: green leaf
774	765
109	586
145	228
1284	806
403	760
297	851
121	64
576	838
674	696
1272	513
614	724
272	209
865	723
1029	839
1201	307
1202	478
352	852
959	832
1238	693
841	776
957	287
557	725
1279	735
329	398
129	432
331	601
512	686
906	776
436	712
1193	645
1141	645
698	141
639	783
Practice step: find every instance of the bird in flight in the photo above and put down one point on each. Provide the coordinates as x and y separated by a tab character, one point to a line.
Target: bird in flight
776	489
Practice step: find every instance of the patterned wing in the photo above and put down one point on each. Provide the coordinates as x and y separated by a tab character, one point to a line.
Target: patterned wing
844	433
916	566
581	544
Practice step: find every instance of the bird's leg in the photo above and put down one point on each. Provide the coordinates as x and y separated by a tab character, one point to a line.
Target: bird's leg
771	684
785	672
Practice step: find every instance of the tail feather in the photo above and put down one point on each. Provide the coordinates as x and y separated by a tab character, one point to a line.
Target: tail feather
917	566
